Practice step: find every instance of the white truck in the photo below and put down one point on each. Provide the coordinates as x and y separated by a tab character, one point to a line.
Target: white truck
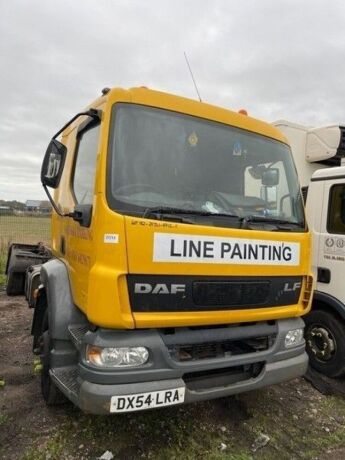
319	155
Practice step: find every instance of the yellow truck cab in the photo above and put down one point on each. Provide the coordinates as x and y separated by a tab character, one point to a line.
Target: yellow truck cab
180	261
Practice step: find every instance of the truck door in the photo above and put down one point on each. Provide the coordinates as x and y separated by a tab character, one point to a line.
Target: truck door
325	331
79	251
331	258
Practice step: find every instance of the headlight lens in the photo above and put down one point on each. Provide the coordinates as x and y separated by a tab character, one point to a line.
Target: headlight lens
293	338
117	356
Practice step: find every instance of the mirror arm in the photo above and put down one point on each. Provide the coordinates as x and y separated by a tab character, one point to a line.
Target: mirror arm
81	213
93	113
52	202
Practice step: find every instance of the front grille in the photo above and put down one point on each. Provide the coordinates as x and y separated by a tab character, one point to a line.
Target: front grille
216	378
174	293
230	293
226	348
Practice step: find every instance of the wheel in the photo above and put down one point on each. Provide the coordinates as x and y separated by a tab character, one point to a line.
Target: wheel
51	394
325	342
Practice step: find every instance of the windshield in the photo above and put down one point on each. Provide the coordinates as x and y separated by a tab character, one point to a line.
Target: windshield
162	159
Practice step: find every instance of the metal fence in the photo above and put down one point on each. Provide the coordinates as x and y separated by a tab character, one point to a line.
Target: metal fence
24	228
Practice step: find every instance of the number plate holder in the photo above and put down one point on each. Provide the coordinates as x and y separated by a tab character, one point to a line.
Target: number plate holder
149	400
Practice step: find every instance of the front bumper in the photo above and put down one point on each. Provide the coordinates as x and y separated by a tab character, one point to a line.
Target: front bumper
95	398
92	388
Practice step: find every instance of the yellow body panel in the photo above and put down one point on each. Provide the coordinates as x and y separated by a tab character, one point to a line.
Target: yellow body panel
98	270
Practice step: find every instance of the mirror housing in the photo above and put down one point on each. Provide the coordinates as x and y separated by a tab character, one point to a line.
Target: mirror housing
53	164
270	177
82	214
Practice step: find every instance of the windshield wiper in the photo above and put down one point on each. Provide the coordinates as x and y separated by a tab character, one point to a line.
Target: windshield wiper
161	212
269	220
164	210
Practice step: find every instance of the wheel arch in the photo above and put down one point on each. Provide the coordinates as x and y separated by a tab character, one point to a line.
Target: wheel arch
62	311
326	302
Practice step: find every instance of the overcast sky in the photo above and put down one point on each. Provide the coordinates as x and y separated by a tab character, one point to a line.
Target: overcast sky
276	58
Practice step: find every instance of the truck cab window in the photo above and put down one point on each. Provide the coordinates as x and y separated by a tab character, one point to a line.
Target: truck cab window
336	210
160	158
85	164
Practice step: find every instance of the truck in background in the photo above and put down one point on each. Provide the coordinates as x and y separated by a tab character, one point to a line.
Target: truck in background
180	261
319	154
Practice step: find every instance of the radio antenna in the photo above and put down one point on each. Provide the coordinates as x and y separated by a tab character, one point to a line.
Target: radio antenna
191	73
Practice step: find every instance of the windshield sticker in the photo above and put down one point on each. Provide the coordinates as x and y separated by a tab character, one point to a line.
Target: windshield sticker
193	139
237	150
172	247
151	224
112	238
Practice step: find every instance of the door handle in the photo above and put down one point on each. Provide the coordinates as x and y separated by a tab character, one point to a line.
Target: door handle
323	275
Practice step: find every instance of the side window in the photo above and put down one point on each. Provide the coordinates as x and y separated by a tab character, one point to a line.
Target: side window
85	165
336	210
304	191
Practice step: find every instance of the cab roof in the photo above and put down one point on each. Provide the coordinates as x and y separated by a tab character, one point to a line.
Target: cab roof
145	96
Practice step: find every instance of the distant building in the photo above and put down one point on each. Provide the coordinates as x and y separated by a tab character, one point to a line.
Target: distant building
32	205
38	206
6	210
45	207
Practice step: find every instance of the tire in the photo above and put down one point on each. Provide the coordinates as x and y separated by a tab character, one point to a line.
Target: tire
50	392
325	342
37	320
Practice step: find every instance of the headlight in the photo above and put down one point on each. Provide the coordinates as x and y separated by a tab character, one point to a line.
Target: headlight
116	356
294	338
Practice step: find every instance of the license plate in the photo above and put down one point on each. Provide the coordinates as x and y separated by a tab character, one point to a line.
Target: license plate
142	401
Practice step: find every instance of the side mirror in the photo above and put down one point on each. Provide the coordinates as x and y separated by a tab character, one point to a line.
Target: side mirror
270	177
53	164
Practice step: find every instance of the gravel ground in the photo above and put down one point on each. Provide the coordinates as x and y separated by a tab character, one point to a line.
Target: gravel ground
288	421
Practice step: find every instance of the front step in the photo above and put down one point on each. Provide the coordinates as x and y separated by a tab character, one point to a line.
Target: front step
77	332
66	378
